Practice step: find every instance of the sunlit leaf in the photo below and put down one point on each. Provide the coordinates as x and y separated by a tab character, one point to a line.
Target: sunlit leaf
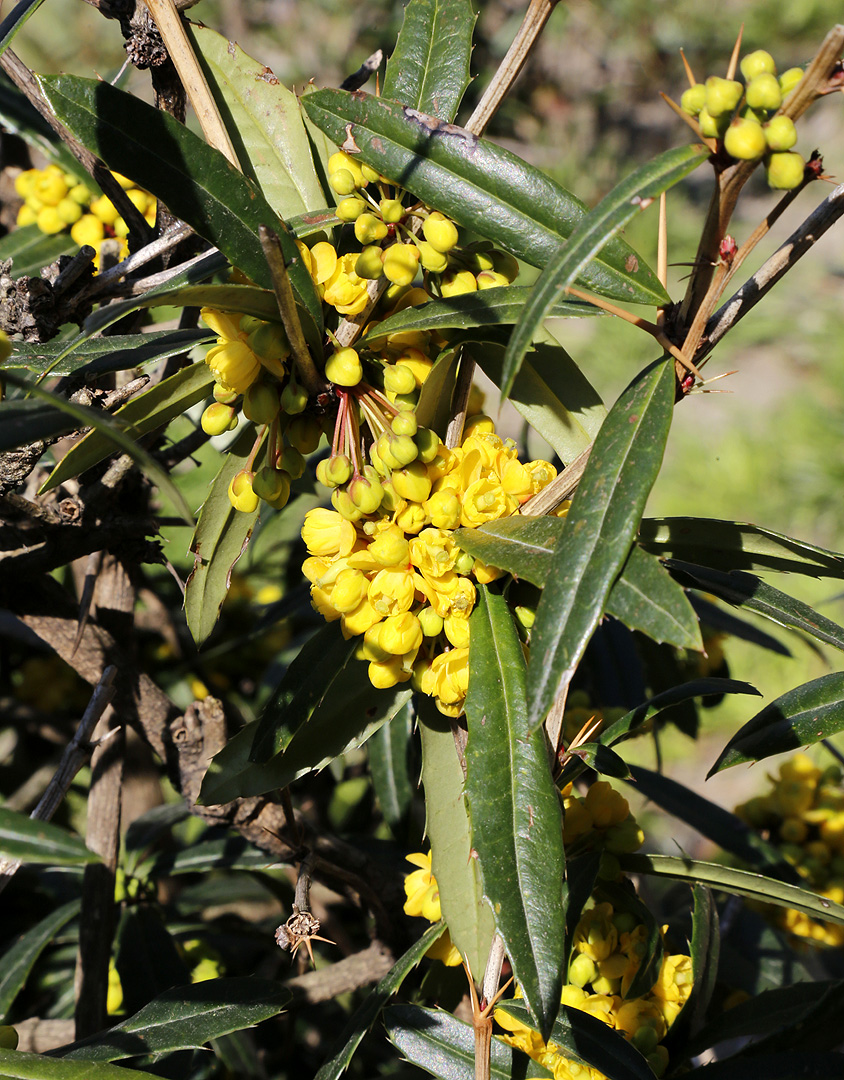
41	842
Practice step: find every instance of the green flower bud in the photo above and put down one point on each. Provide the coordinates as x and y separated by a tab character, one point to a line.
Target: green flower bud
645	1039
339	470
504	263
371	176
261	403
609	868
269	342
722	95
224	396
392	210
712	127
366	494
745	140
399	379
218	419
624	921
402	448
404	424
785	170
8	1037
342	182
249	323
343	367
491	279
440	232
350	209
294	399
272	485
304	433
582	970
432	260
292	462
400	263
427	444
464	563
380	466
764	93
757	63
241	495
407	401
430	621
369	229
368	264
624	838
693	99
525	616
789	79
391	500
780	133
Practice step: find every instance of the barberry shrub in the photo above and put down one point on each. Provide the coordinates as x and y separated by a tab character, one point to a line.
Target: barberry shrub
386	584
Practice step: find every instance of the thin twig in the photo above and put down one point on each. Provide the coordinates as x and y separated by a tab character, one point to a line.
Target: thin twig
562	487
162	244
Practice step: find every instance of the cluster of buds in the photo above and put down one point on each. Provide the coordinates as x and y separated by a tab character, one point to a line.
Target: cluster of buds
747	118
56	201
803	813
608	949
600	820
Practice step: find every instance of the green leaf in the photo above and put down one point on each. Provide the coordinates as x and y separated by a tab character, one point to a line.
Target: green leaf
23	421
765	890
85	417
445	1047
704	949
30	249
146	412
798	718
600	225
185	1017
581	875
351	710
390	763
645	598
749	592
219	540
196	182
469	919
817	1029
429	68
97	356
479	185
226	852
20	117
369	1009
551	393
264	122
16	19
603	760
17	1065
40	842
584	1039
20	958
712	821
433	410
514	809
599	532
734	545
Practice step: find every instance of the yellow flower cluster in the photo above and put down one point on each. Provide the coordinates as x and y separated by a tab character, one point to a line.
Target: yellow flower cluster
423	899
398	578
600	818
55	201
803	814
608	949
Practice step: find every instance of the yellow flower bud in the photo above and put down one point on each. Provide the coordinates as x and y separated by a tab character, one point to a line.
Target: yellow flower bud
400	263
326	533
440	232
241	495
457	282
218	418
412	482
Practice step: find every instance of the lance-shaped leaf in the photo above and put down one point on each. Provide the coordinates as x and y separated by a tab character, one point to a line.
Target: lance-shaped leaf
264	122
433	409
749	592
586	1040
23	421
479	185
514	807
369	1009
219	540
599	532
468	917
604	222
19	960
184	1018
40	842
429	68
736	545
755	886
817	1029
445	1047
704	949
800	717
147	411
393	774
18	1065
196	182
97	356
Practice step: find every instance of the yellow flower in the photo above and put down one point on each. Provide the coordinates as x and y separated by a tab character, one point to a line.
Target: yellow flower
234	364
445	951
392	592
327	533
485	500
344	289
421	890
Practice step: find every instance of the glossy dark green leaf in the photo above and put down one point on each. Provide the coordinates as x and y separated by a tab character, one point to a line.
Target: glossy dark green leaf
370	1008
40	842
222	853
712	821
483	311
104	422
584	1039
351	710
816	1030
645	598
147	956
609	217
479	185
705	950
514	809
20	957
433	409
97	356
800	717
264	122
196	182
18	1065
391	767
444	1046
735	545
146	412
30	250
600	528
603	760
796	1065
429	68
752	594
184	1018
756	886
468	917
716	617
